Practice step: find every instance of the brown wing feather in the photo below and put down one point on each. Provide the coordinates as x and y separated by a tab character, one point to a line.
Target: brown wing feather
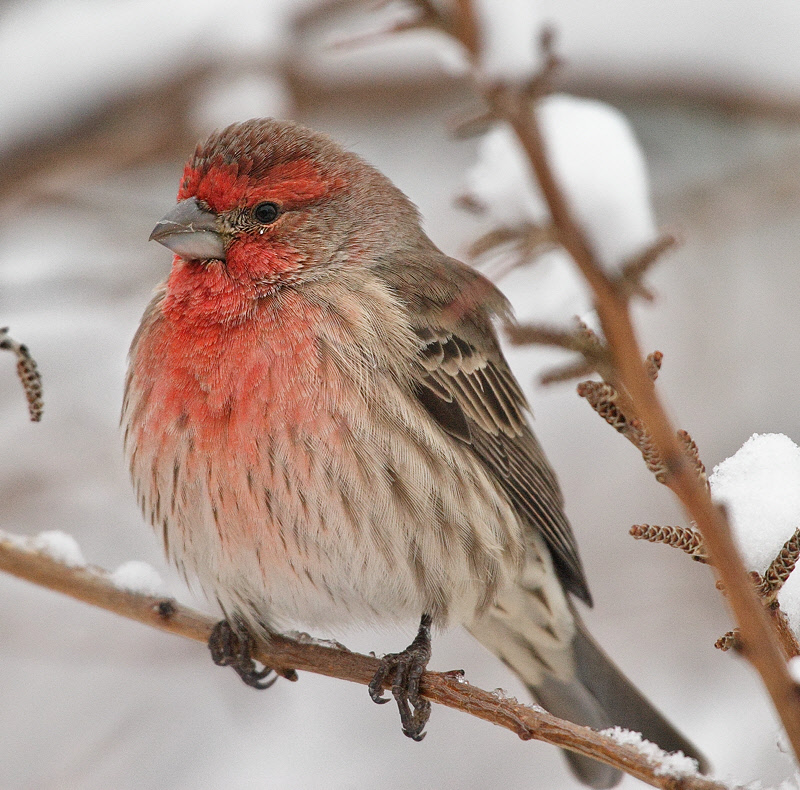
475	398
466	386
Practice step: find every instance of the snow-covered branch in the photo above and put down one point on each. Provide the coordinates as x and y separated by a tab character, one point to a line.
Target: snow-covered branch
53	560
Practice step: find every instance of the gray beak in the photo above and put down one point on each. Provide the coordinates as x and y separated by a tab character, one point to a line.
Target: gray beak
191	232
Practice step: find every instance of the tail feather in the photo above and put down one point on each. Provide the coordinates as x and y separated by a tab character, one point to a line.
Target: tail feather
535	631
573	701
540	653
625	705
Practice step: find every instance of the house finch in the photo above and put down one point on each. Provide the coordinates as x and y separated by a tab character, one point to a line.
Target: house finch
322	427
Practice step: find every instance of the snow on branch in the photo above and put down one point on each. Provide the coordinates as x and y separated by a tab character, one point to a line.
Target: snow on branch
54	560
676	764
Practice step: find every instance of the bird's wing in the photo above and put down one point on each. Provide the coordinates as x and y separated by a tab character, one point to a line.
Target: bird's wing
473	396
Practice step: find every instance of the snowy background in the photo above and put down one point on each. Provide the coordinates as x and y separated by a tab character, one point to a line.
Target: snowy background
99	106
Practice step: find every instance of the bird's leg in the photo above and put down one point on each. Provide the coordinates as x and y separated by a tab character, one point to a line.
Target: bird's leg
405	669
232	646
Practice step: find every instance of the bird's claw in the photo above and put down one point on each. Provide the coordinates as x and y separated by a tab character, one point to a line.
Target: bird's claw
233	647
405	669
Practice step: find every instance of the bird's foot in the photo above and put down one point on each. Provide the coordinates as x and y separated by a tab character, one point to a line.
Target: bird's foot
232	646
405	670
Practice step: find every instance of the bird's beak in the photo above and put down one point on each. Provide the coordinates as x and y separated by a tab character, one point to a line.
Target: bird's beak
191	232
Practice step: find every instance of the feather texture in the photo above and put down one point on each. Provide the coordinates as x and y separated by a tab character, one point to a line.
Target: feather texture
323	429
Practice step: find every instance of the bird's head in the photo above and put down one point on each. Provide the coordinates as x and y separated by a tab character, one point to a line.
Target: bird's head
266	203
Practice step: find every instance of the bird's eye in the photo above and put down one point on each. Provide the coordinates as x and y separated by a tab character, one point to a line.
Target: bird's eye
265	213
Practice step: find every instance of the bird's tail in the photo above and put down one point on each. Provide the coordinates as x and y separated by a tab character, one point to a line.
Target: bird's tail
536	632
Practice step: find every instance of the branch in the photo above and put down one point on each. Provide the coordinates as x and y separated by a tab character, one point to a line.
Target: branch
759	641
93	586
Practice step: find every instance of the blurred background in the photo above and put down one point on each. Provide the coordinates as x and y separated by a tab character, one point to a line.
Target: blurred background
101	103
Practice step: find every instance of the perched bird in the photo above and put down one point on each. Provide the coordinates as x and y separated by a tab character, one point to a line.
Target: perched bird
322	427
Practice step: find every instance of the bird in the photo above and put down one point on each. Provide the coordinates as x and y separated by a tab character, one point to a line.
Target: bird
321	425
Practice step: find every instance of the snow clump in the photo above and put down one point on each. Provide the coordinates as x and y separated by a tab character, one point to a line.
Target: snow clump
760	488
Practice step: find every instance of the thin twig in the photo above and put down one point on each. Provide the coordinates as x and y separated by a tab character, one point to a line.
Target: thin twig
731	640
594	358
525	240
632	273
568	372
28	374
683	538
781	568
93	586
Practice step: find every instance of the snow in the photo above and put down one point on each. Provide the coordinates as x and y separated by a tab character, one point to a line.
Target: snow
794	669
597	163
58	546
134	575
760	488
19	541
675	764
137	577
510	44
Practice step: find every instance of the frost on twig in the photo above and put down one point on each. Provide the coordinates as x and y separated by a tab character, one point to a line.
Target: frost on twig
768	586
55	544
137	577
133	576
758	485
673	764
28	374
